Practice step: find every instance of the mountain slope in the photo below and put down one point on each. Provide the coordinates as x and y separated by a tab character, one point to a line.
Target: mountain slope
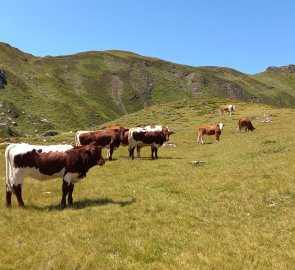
87	89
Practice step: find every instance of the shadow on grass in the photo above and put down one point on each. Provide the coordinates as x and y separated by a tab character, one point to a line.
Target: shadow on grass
82	204
149	158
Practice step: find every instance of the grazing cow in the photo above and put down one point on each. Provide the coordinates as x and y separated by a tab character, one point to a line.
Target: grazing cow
140	137
227	108
107	138
210	130
48	162
245	123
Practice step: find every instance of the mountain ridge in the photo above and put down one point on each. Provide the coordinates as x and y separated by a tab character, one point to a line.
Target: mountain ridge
86	89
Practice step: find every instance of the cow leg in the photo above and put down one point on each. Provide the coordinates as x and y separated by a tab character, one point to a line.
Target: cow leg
111	153
18	193
108	153
65	191
217	137
198	141
138	151
156	152
70	196
131	153
152	150
200	138
8	196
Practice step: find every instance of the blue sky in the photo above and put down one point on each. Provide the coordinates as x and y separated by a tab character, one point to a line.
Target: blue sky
245	35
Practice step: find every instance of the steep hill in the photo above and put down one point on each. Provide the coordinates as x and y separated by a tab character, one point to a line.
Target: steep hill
87	89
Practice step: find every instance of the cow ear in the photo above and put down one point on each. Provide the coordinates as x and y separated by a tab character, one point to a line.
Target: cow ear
87	154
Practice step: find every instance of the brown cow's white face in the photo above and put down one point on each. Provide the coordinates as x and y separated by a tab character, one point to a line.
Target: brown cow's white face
221	126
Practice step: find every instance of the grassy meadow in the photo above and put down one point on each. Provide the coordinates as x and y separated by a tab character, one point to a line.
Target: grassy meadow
233	211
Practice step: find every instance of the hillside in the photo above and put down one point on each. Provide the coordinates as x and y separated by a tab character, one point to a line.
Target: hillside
88	89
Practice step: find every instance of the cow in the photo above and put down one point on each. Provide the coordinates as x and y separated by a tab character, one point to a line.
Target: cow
107	138
209	130
227	108
48	162
140	137
125	142
151	128
124	135
124	130
246	124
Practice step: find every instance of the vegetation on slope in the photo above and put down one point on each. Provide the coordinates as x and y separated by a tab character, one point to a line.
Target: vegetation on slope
87	89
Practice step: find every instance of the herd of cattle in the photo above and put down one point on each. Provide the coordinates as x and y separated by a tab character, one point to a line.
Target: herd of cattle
73	162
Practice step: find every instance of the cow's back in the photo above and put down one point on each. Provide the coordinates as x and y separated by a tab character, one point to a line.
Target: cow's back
38	161
208	130
103	138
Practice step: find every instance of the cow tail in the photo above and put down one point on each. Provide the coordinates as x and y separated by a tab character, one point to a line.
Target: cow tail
130	140
8	166
239	125
77	139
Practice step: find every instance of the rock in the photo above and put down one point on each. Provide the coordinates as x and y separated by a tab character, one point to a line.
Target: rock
169	144
198	162
44	120
49	133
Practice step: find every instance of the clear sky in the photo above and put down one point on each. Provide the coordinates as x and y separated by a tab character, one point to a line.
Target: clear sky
247	35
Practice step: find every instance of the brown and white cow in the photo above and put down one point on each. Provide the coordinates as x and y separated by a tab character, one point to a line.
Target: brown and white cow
48	162
107	138
246	124
148	136
209	130
227	108
124	141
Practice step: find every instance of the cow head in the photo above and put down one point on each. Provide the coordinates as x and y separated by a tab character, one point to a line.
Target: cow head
221	125
122	133
166	132
92	154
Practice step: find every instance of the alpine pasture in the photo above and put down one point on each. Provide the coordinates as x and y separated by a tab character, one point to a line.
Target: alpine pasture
227	205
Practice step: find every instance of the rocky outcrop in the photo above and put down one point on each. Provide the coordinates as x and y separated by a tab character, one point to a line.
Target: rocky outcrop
284	69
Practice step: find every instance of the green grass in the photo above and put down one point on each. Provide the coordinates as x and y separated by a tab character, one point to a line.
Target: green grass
235	212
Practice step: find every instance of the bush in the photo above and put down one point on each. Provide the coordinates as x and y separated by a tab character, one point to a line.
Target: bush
3	80
7	132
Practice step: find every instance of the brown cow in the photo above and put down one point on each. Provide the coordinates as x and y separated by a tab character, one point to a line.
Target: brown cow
246	124
48	162
210	130
124	140
227	108
107	138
